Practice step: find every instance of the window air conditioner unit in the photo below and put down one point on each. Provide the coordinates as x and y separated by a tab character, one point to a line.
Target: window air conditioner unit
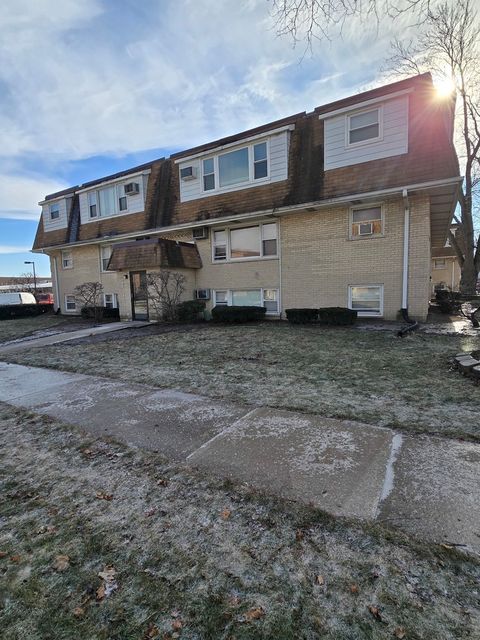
131	188
202	294
188	173
365	229
200	233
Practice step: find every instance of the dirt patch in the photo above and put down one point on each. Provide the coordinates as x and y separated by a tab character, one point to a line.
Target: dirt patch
100	541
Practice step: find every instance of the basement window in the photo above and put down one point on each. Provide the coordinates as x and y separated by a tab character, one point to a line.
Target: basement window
366	299
110	300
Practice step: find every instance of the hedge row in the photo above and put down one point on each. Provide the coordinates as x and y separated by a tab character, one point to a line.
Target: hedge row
190	310
100	313
327	315
10	311
222	313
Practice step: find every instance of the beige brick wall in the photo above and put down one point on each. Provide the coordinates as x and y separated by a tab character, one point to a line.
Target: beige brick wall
319	261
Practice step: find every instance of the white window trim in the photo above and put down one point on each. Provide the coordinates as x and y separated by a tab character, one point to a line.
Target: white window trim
57	205
367	314
228	243
440	268
114	298
362	143
119	192
70	295
103	246
229	293
371	205
239	185
70	266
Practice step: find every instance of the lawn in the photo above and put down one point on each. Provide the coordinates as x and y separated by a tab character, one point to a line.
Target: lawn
20	327
369	376
182	556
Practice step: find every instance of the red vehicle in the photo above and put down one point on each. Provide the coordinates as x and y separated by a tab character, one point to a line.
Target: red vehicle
45	298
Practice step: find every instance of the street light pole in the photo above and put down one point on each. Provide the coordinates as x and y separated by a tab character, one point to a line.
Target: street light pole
34	276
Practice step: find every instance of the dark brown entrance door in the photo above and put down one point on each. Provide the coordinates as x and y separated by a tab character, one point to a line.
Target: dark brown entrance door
138	290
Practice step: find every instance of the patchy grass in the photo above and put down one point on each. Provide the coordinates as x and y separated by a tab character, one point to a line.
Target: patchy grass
199	559
370	376
21	327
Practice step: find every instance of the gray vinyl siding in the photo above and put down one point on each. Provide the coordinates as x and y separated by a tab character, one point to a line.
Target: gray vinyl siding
60	222
135	203
394	141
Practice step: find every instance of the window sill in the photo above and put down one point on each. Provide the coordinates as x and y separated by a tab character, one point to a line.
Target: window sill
240	260
373	236
366	314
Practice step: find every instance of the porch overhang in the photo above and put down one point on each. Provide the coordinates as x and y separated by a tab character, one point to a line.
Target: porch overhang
154	253
443	201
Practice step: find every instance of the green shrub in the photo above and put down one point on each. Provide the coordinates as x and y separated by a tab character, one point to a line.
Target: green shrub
222	313
10	311
302	316
190	310
100	314
336	316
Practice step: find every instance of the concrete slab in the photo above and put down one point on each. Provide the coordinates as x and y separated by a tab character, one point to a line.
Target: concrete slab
17	381
436	492
338	466
30	343
171	422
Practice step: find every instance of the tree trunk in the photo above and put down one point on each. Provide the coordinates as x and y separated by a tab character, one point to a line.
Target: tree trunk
468	281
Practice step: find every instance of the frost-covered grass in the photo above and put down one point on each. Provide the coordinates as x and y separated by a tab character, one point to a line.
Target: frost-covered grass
199	559
370	376
20	327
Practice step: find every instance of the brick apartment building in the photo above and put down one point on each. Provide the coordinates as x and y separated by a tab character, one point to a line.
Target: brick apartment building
343	206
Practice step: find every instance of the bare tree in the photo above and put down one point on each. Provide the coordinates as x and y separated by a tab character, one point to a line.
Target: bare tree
448	45
23	282
165	289
306	20
90	295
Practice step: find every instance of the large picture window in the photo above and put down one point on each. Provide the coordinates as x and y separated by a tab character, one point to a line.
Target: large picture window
108	201
367	300
233	167
267	298
245	243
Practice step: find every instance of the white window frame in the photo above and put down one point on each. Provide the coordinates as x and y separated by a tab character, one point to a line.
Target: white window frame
102	247
262	290
67	310
251	170
367	314
67	262
119	193
435	260
361	143
114	300
54	208
372	205
227	231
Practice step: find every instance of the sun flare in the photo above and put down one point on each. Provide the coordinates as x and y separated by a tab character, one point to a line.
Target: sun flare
444	87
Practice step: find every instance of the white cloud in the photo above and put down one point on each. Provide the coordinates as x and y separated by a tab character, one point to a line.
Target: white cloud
5	248
21	194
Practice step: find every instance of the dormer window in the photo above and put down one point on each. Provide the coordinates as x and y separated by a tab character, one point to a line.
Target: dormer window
364	127
208	174
54	211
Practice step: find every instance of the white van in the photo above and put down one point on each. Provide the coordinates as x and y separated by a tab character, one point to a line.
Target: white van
17	298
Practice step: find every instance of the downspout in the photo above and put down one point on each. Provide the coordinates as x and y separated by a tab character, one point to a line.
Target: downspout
55	276
412	325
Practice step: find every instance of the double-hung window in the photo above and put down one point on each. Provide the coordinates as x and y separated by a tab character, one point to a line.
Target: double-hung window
366	221
70	303
67	260
241	166
54	211
105	255
107	201
364	127
367	299
92	204
110	300
244	243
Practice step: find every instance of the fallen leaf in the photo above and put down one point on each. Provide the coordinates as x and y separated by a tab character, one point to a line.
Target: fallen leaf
150	512
177	624
254	614
109	583
225	514
375	611
234	601
151	632
100	495
61	563
78	612
163	482
354	588
320	580
15	558
3	554
400	633
446	546
100	592
89	453
299	535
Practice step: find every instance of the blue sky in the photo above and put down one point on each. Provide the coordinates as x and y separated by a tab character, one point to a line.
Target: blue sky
89	88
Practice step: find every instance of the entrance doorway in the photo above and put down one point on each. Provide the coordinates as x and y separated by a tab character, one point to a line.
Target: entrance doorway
139	295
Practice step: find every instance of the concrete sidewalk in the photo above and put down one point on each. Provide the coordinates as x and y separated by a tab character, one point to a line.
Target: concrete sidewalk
426	486
20	344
